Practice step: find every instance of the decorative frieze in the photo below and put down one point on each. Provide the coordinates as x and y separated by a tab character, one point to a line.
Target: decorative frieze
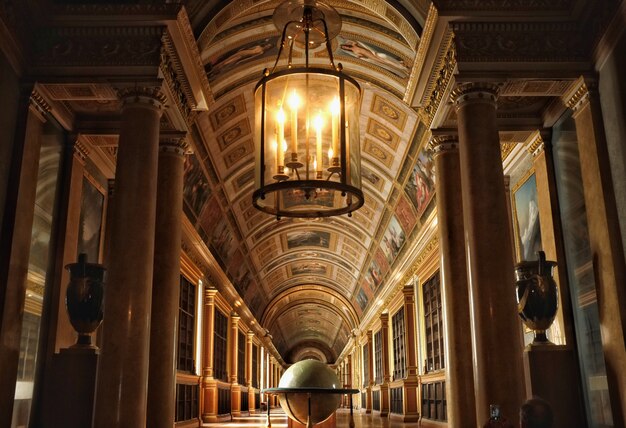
503	5
89	46
442	77
520	42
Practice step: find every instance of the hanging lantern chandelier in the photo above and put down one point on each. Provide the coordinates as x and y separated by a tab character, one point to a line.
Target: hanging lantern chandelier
307	123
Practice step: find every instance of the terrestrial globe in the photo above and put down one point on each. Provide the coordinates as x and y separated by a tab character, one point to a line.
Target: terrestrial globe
309	374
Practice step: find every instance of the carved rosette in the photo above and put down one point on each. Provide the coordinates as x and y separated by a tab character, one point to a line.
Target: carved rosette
144	95
440	144
475	92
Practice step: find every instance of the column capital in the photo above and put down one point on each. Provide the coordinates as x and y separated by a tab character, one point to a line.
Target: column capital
536	145
150	95
369	334
409	294
209	295
175	143
234	316
249	335
483	92
440	144
384	318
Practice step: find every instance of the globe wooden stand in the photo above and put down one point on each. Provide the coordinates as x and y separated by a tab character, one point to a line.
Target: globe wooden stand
311	392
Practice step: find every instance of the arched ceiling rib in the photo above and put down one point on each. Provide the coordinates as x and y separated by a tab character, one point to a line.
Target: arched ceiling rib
288	268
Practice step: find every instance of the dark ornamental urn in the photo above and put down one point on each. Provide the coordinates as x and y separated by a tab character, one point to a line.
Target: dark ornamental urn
84	298
537	295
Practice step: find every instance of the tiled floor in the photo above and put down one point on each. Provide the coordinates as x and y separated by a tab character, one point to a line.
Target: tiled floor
279	420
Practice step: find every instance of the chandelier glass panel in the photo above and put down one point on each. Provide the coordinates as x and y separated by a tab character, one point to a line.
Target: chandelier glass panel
307	123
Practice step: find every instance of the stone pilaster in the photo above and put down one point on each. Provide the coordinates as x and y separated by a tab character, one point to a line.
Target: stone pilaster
249	348
121	393
604	238
384	387
235	388
497	348
166	283
370	369
454	288
411	383
209	385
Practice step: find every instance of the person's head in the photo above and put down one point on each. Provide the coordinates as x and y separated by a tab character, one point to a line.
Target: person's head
536	413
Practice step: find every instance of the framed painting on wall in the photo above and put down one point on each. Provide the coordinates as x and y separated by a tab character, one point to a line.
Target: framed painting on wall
526	218
90	223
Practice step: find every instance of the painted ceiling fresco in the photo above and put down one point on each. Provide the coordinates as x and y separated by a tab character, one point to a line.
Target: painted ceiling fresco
309	281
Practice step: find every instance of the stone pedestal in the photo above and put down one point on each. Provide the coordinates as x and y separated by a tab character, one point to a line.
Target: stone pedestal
552	374
69	396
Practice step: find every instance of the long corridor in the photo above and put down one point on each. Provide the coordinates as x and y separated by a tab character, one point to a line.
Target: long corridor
279	420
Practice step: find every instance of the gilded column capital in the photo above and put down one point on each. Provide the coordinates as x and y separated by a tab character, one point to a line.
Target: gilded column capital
249	335
473	92
409	294
536	146
234	316
209	295
144	95
384	319
440	144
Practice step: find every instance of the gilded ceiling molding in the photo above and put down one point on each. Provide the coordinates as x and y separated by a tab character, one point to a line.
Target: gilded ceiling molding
426	253
441	79
506	149
422	50
535	144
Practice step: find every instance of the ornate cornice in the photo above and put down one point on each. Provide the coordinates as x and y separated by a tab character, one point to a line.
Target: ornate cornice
440	79
426	253
81	150
422	51
506	149
536	145
532	6
133	9
579	94
39	103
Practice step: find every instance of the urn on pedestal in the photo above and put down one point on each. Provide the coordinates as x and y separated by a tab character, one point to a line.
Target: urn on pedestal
84	298
537	295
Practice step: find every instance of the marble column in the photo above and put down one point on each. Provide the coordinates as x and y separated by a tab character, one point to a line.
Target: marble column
604	239
249	348
384	387
209	385
166	283
235	388
411	382
370	370
454	288
121	393
496	342
16	231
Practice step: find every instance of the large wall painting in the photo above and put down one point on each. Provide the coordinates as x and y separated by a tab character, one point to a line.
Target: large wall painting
90	222
362	299
421	185
526	217
393	239
196	189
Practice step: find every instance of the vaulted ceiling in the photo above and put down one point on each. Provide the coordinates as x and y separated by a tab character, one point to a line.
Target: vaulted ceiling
308	281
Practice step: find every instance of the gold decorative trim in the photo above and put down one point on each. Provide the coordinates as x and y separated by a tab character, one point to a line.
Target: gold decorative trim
506	149
440	79
440	144
422	50
536	145
420	260
578	95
